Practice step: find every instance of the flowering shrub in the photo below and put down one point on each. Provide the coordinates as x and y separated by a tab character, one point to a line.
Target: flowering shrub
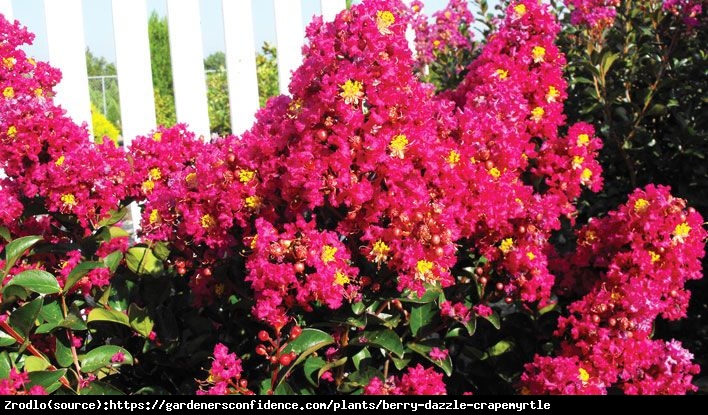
366	235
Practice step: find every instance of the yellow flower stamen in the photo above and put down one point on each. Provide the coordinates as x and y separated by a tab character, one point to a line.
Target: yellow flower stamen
654	257
9	62
341	278
68	200
553	94
219	289
578	162
398	146
507	245
38	92
245	176
501	73
520	10
537	114
384	19
494	172
586	175
453	158
681	231
328	253
583	375
191	180
11	131
538	53
583	140
253	202
154	216
640	205
352	92
157	136
530	256
148	186
8	92
380	251
207	221
155	174
60	161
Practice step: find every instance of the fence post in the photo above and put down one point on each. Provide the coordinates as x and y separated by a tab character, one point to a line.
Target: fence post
240	63
187	54
137	101
289	35
6	9
67	51
330	8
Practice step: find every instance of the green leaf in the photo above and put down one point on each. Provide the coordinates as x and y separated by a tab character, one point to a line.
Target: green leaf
24	318
114	316
471	325
311	368
361	358
499	349
112	260
15	249
101	388
36	280
161	250
5	234
401	363
62	352
100	357
115	217
386	339
494	319
5	365
51	311
35	364
118	232
607	60
421	316
73	322
142	261
424	349
48	379
140	320
308	342
79	271
6	339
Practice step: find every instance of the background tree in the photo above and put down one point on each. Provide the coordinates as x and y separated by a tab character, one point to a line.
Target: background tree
160	59
103	93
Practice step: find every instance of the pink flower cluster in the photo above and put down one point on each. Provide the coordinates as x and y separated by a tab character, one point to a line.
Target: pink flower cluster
225	375
630	267
597	15
417	381
689	10
449	30
17	384
49	163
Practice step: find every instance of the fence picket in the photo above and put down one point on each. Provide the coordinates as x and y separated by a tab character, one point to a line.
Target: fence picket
130	31
289	35
240	63
186	50
67	51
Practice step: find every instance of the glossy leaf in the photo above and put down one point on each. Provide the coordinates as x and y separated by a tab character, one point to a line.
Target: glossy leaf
35	280
101	356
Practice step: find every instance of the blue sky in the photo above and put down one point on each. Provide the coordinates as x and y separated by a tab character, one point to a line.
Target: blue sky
98	25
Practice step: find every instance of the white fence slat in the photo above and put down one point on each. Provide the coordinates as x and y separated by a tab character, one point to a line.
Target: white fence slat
187	64
240	63
289	35
130	31
6	9
67	51
330	8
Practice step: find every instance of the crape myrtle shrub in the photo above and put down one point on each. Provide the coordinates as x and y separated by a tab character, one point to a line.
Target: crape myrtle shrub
367	235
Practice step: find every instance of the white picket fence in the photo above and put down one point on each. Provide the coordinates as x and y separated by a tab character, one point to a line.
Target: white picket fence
67	46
